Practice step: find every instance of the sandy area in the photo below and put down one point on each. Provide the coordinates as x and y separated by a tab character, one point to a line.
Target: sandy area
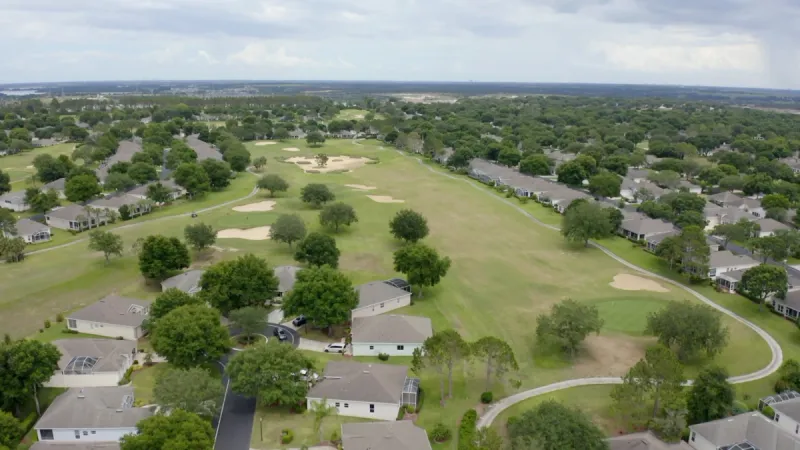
259	143
224	249
384	199
339	163
250	234
255	207
29	167
603	356
291	149
361	187
628	282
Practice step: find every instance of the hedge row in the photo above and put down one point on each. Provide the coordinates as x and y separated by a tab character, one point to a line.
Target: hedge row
467	430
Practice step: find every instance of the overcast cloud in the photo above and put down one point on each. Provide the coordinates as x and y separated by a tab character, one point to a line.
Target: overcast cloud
699	42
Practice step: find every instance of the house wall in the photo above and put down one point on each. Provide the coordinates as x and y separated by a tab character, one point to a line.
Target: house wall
383	411
787	423
699	442
720	270
105	329
384	307
100	434
101	379
363	349
56	222
17	207
37	237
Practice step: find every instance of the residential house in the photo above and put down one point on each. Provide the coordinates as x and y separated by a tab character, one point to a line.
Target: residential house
399	435
484	171
652	242
372	391
691	187
391	334
92	362
643	441
102	414
768	227
378	297
789	306
649	189
113	316
124	153
747	431
203	149
560	157
717	215
729	281
637	175
725	261
793	162
787	416
58	185
43	142
75	218
561	199
287	275
135	205
297	133
188	282
15	201
727	199
175	191
641	229
31	232
50	445
753	206
444	156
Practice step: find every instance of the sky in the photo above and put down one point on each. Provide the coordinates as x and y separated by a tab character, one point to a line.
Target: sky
750	43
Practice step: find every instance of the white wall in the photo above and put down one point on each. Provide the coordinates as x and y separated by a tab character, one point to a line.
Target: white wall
383	411
87	380
380	308
15	206
721	270
787	423
363	349
101	434
105	329
699	442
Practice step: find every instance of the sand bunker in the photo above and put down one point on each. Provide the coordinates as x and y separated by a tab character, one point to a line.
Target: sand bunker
384	199
259	143
256	207
628	282
224	249
361	187
337	164
250	234
29	167
291	149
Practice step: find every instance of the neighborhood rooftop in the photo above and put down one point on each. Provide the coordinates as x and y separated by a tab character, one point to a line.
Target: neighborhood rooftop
354	381
725	258
204	150
788	408
27	227
376	292
93	355
69	212
400	435
643	441
391	329
287	275
93	407
749	428
115	310
57	185
115	201
186	282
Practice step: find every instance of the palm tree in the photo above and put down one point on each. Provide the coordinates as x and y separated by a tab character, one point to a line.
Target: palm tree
321	410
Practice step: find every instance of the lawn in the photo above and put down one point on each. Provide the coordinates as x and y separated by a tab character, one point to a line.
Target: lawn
354	114
269	424
627	316
144	380
23	162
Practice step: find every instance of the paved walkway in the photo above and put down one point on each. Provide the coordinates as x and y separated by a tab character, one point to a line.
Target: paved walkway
312	345
495	409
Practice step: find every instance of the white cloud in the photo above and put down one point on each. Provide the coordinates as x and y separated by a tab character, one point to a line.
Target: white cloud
261	54
207	57
352	16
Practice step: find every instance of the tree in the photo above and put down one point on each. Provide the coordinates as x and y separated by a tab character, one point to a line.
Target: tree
142	172
249	320
5	183
489	439
270	372
552	426
260	162
730	232
315	139
758	184
190	336
442	352
119	182
688	329
323	294
8	223
161	256
41	202
12	248
178	430
497	354
586	221
194	390
509	157
81	188
567	325
316	195
158	193
421	264
11	431
536	165
710	397
273	183
238	157
322	159
409	226
769	247
605	184
219	173
695	252
51	169
25	366
763	281
666	178
288	228
106	242
200	236
671	250
571	173
336	215
321	410
169	300
180	153
244	281
775	201
193	178
318	249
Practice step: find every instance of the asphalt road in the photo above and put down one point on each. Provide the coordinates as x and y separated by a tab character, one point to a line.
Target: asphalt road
235	423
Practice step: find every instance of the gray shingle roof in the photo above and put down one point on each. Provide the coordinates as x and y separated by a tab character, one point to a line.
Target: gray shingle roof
51	445
643	441
400	435
391	329
188	282
93	407
142	190
58	185
647	226
114	309
287	275
111	353
69	212
203	149
638	173
726	199
354	381
770	225
14	198
788	408
125	152
792	300
115	201
751	427
27	227
377	292
727	259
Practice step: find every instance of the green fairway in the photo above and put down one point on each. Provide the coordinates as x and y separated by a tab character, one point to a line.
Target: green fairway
354	114
627	316
22	162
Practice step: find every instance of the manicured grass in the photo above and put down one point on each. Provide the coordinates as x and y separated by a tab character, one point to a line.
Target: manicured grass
269	422
21	161
354	114
144	380
628	316
56	332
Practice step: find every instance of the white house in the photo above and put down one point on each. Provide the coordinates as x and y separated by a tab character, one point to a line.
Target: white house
30	231
113	316
789	306
58	185
175	191
725	261
75	218
691	187
372	391
14	201
641	229
399	435
135	205
91	414
92	362
378	297
751	430
51	445
753	206
392	334
768	227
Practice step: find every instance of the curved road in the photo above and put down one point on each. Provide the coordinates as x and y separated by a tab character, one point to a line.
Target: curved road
502	405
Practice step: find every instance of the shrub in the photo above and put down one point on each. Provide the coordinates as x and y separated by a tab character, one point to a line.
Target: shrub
511	421
420	399
29	422
383	356
487	397
768	411
68	331
127	377
440	433
410	409
120	338
148	359
47	323
287	436
124	212
41	330
467	430
336	437
6	338
781	386
59	317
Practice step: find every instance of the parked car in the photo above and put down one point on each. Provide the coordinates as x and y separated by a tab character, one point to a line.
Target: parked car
335	348
299	321
281	334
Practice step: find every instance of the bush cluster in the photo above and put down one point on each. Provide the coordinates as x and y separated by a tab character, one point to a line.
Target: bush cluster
487	398
287	436
467	430
383	356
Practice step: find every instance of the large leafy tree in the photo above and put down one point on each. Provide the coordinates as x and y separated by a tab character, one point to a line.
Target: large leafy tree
316	194
695	252
421	264
689	329
118	182
605	184
219	173
441	353
567	325
194	390
5	183
142	172
323	294
762	281
161	256
586	221
8	223
12	248
24	367
193	178
731	232
190	336
336	215
270	372
288	228
409	226
318	249
41	202
249	320
711	396
273	183
11	431
81	188
106	242
245	281
571	173
178	430
169	300
553	426
200	236
536	165
498	356
158	193
769	248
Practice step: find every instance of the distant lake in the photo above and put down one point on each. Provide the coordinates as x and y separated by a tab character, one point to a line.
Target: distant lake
21	92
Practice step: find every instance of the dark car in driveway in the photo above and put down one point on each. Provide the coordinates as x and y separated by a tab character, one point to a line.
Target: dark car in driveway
281	334
299	321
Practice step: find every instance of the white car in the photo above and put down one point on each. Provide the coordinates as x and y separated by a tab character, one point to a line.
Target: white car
335	348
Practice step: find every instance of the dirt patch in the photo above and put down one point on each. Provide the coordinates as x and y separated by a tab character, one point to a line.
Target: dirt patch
260	143
267	205
291	149
361	187
250	234
362	262
610	355
342	163
628	282
384	199
224	249
29	167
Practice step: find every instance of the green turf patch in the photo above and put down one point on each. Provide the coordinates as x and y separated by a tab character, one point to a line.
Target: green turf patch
627	315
